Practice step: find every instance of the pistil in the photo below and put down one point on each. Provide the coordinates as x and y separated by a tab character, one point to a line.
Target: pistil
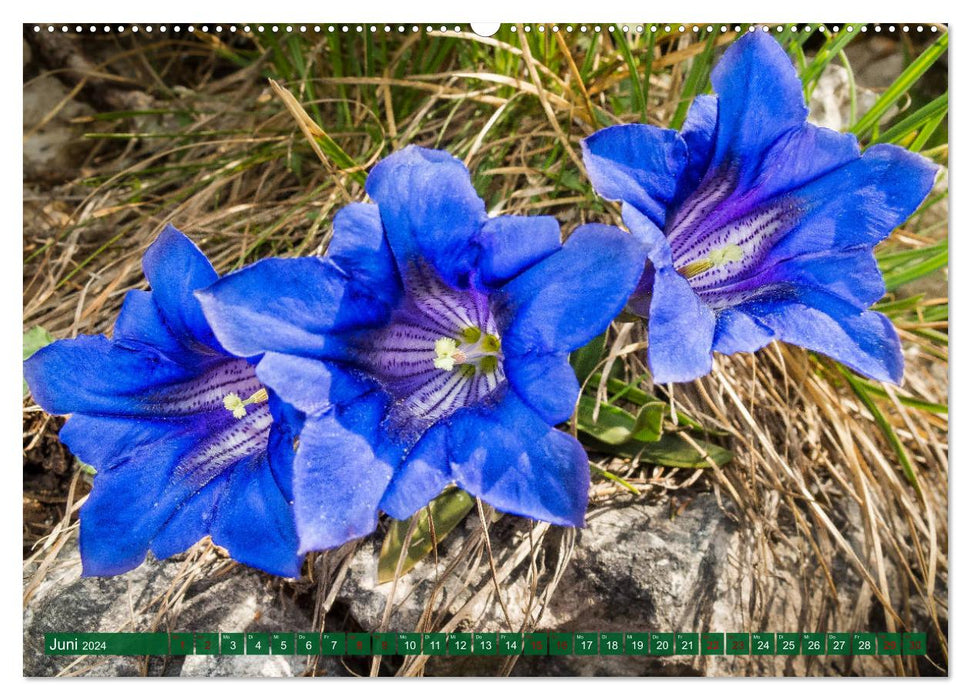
237	406
475	350
718	257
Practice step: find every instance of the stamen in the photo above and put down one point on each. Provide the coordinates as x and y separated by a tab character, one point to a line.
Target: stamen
477	350
716	258
237	406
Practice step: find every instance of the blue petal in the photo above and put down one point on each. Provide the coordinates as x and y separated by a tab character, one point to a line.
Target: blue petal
190	520
681	330
343	465
800	156
110	442
175	268
360	249
140	499
510	458
698	132
117	523
91	374
850	274
546	383
254	521
637	164
430	211
736	331
281	445
135	460
288	306
862	340
657	247
310	385
141	321
562	302
511	244
759	99
421	476
859	203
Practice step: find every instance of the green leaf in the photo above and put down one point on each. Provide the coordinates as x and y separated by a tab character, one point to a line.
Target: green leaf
614	425
585	359
670	451
447	511
34	340
647	425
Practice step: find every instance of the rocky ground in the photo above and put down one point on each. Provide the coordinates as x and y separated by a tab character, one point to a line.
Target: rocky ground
635	567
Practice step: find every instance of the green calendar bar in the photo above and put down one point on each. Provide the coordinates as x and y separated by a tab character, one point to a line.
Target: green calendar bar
308	643
359	644
182	644
914	643
713	643
488	643
763	644
207	643
510	643
889	644
611	643
384	643
662	643
106	643
813	643
460	644
787	643
257	643
561	644
686	643
434	643
485	644
637	643
864	643
585	644
232	643
737	644
333	643
839	643
283	643
409	643
536	644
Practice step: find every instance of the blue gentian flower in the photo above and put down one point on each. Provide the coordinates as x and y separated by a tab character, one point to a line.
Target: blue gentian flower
186	440
762	226
431	345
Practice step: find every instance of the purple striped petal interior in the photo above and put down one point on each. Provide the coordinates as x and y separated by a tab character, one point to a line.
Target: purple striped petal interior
402	355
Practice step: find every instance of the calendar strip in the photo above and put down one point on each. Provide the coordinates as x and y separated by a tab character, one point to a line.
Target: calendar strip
488	643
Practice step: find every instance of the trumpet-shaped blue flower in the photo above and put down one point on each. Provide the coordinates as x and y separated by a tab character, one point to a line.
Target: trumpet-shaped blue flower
762	226
187	442
431	345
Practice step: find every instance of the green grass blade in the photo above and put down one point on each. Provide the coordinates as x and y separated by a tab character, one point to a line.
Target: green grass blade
901	85
860	389
913	123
